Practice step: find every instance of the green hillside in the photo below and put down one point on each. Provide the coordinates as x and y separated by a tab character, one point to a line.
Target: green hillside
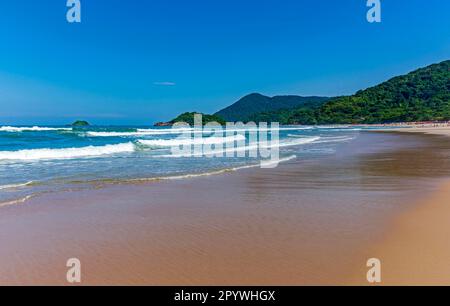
189	118
246	108
422	95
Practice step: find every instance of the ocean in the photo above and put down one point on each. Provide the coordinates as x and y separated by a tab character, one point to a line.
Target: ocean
37	160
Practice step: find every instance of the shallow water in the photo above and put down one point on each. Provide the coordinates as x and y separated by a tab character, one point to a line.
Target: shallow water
36	160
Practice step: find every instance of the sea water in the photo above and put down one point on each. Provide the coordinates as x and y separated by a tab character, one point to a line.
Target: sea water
36	160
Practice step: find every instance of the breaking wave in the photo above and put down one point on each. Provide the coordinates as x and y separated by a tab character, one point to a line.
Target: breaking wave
139	132
38	154
13	129
174	131
250	147
13	186
190	141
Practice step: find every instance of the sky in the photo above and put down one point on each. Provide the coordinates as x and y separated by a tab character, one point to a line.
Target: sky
138	61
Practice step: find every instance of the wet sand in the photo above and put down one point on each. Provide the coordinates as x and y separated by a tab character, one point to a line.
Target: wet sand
305	222
416	250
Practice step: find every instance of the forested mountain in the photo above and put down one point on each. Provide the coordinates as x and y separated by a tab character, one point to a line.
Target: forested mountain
189	118
422	95
247	107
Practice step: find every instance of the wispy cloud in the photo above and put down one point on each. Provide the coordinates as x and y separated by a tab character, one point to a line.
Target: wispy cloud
164	83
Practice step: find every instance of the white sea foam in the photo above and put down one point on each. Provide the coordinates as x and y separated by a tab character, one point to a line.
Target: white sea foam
296	128
267	129
236	129
326	139
210	173
296	135
282	144
337	126
335	139
190	141
174	131
111	134
252	147
139	133
340	128
13	129
17	201
268	163
124	134
346	129
13	186
38	154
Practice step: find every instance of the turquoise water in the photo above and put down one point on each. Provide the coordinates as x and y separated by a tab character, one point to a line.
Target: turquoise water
36	160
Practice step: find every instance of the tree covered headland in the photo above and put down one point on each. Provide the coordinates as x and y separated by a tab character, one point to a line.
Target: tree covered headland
248	106
422	95
189	118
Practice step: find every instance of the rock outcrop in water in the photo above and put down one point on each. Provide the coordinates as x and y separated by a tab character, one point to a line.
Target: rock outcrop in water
80	123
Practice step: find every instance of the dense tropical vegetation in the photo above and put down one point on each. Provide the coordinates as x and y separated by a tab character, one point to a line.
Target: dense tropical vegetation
246	108
422	95
189	118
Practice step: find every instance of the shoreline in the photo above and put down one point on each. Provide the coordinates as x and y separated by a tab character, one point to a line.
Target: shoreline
94	184
443	131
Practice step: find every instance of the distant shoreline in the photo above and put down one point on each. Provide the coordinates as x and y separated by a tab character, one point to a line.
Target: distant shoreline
433	129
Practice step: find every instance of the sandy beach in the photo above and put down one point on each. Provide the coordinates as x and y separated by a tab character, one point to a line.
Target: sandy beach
303	223
445	131
417	251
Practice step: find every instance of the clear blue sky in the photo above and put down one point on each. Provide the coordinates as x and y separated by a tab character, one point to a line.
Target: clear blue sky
116	66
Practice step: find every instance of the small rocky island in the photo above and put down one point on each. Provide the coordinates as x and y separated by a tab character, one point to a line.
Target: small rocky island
80	123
